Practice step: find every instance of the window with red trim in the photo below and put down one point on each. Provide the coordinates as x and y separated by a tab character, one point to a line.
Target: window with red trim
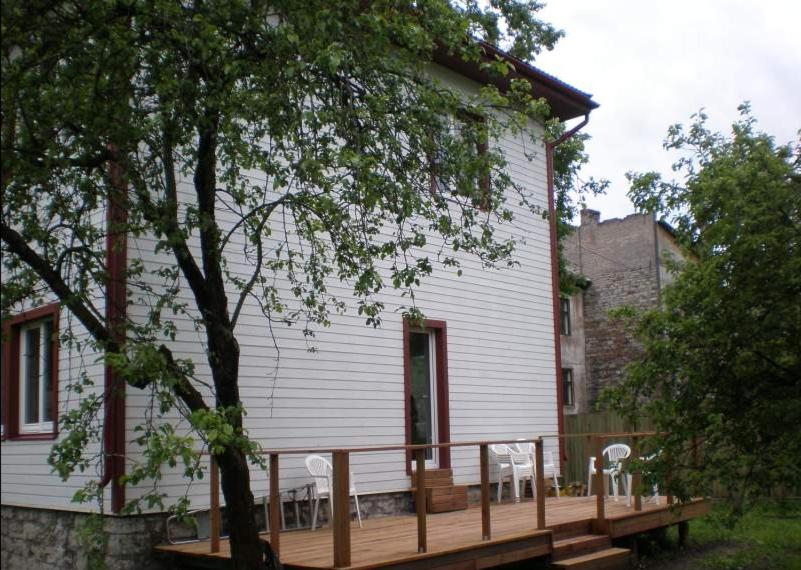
30	374
425	358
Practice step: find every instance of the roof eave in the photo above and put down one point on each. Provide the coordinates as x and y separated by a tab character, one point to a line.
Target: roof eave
566	102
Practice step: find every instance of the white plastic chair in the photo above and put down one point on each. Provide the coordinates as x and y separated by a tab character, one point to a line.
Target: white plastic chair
614	455
548	465
322	474
514	465
655	489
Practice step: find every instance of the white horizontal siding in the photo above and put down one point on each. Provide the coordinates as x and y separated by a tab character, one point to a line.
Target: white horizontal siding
27	479
350	391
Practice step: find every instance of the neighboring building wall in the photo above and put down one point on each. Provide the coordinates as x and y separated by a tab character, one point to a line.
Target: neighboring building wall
573	355
624	262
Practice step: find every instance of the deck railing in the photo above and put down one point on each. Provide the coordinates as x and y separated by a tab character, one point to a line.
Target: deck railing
340	491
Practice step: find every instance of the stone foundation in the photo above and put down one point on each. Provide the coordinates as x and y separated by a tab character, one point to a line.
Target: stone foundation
43	539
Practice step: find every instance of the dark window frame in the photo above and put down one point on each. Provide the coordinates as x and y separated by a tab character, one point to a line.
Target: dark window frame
12	383
565	324
440	330
568	387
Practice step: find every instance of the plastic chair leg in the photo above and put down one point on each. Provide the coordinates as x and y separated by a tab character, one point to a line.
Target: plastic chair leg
314	513
358	511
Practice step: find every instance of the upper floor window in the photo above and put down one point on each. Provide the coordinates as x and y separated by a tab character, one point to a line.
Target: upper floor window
564	316
470	143
30	374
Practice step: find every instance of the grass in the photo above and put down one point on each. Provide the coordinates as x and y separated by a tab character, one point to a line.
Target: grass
769	536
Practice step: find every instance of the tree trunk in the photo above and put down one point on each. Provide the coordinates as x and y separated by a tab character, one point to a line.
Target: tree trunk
247	552
246	549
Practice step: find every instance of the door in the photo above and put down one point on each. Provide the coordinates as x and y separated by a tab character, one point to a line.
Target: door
423	404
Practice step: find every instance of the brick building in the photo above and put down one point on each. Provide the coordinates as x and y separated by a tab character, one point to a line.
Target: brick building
624	261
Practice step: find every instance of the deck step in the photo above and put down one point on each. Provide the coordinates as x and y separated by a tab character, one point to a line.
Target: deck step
570	529
439	478
606	559
445	499
579	545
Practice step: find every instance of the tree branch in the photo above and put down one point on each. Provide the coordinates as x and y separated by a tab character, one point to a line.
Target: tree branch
75	303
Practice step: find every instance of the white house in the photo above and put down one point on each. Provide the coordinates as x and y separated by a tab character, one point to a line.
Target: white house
486	366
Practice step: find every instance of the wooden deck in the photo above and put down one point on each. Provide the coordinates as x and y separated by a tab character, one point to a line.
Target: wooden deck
454	539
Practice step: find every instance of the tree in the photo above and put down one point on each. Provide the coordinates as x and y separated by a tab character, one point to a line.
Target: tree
721	369
159	112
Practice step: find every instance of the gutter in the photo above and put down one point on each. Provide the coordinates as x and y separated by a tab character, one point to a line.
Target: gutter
560	396
116	303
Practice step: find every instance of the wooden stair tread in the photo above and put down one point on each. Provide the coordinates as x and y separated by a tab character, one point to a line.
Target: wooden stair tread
608	558
573	546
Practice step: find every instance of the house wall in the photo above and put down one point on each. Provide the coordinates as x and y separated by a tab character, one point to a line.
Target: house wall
350	391
26	478
573	355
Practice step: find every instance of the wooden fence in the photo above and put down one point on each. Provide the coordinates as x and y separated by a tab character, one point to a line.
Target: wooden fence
579	449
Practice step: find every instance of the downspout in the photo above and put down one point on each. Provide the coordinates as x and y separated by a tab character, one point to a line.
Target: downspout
560	396
116	302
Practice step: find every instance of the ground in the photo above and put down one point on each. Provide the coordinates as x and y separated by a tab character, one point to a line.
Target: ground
768	537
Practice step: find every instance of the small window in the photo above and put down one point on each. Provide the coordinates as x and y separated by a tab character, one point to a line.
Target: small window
564	316
567	386
30	374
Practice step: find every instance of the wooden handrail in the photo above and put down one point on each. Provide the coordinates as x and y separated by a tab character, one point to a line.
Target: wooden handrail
412	448
420	499
486	525
340	493
540	483
214	499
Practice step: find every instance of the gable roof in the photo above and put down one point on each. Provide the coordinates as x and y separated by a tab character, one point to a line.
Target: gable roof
566	101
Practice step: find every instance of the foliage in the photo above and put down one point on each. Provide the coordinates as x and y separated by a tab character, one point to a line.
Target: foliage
93	539
722	357
310	138
570	192
769	536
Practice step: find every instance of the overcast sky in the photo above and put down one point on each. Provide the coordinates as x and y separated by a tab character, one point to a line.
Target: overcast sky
651	64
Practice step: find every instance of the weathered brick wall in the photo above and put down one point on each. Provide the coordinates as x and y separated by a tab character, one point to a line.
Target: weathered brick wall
619	258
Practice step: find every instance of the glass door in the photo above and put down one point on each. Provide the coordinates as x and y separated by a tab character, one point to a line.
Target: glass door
422	350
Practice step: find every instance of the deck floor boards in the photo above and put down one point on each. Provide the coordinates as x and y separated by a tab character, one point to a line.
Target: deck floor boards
390	539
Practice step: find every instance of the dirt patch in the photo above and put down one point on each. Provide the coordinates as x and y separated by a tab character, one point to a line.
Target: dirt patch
689	558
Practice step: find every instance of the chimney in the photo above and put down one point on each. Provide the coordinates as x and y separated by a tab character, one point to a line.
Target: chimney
590	217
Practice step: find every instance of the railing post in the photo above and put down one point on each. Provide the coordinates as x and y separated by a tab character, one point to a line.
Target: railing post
599	484
668	483
486	525
420	498
636	476
275	503
540	475
340	494
214	488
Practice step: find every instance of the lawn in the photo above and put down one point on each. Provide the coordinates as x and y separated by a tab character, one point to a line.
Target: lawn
767	537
